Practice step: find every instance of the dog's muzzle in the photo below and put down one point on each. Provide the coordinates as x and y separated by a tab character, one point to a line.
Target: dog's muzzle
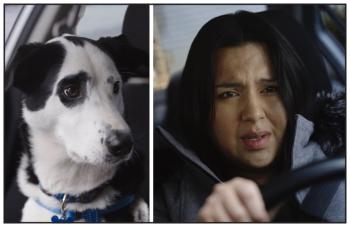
119	143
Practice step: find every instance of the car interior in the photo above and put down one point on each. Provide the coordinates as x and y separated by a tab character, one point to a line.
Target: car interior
63	19
319	48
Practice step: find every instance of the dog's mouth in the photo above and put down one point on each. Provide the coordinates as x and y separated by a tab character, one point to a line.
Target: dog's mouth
125	155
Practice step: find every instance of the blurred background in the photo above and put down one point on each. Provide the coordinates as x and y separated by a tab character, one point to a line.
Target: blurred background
175	27
112	17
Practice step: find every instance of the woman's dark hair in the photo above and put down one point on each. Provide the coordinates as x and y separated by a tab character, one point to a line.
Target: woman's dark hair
197	83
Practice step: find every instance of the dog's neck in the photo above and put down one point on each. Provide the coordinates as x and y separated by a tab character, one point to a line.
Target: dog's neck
85	197
59	174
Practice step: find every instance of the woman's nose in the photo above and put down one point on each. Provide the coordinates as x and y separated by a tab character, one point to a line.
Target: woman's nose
252	110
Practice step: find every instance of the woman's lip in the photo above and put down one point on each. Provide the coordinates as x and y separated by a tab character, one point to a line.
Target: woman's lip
255	141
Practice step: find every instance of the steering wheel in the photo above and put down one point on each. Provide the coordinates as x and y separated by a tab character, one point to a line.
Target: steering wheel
314	173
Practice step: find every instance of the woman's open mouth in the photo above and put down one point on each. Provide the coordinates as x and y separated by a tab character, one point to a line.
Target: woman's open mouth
255	141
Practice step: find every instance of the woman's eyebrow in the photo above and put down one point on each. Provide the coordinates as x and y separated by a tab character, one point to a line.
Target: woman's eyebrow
268	81
237	84
228	85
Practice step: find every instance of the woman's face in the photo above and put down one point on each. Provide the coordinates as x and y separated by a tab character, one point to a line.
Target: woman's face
250	119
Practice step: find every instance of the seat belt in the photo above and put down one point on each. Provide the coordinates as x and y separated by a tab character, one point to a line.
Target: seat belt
320	197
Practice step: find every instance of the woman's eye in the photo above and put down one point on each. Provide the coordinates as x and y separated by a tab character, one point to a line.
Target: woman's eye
270	89
116	87
72	91
227	94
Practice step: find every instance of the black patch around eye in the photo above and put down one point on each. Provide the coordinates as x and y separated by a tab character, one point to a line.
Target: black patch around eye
74	85
116	87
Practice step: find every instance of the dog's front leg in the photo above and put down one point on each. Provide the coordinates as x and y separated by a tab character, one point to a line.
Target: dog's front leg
140	211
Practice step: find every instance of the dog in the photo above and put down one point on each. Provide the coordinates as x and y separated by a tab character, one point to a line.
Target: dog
79	163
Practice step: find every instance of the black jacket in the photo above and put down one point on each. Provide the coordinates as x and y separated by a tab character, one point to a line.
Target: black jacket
180	194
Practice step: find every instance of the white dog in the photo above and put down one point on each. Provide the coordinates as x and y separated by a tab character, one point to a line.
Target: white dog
80	164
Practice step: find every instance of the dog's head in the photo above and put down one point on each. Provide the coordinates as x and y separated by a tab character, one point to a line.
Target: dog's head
73	97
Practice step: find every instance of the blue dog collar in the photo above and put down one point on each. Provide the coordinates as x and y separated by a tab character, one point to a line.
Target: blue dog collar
89	215
85	197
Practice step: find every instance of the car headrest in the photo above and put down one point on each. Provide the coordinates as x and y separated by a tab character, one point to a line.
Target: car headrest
136	27
301	41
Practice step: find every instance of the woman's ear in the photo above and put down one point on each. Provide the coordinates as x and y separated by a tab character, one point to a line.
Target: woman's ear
130	61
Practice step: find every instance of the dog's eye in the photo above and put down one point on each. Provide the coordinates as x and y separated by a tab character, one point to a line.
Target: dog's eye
116	87
72	91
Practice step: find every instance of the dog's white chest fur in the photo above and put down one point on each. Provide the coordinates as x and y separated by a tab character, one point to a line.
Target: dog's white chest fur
33	212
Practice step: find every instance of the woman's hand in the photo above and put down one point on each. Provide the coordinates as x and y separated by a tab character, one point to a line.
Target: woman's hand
237	200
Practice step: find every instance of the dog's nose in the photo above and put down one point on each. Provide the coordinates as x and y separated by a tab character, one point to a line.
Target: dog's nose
119	142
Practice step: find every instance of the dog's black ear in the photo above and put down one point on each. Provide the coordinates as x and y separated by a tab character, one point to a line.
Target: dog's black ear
20	73
32	63
130	61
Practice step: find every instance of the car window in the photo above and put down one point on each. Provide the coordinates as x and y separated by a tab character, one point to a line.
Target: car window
101	20
332	37
175	27
11	14
333	19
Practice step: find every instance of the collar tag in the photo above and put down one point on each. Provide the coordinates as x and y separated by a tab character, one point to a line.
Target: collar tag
67	216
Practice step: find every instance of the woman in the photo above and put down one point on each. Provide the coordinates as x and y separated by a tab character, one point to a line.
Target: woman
247	104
